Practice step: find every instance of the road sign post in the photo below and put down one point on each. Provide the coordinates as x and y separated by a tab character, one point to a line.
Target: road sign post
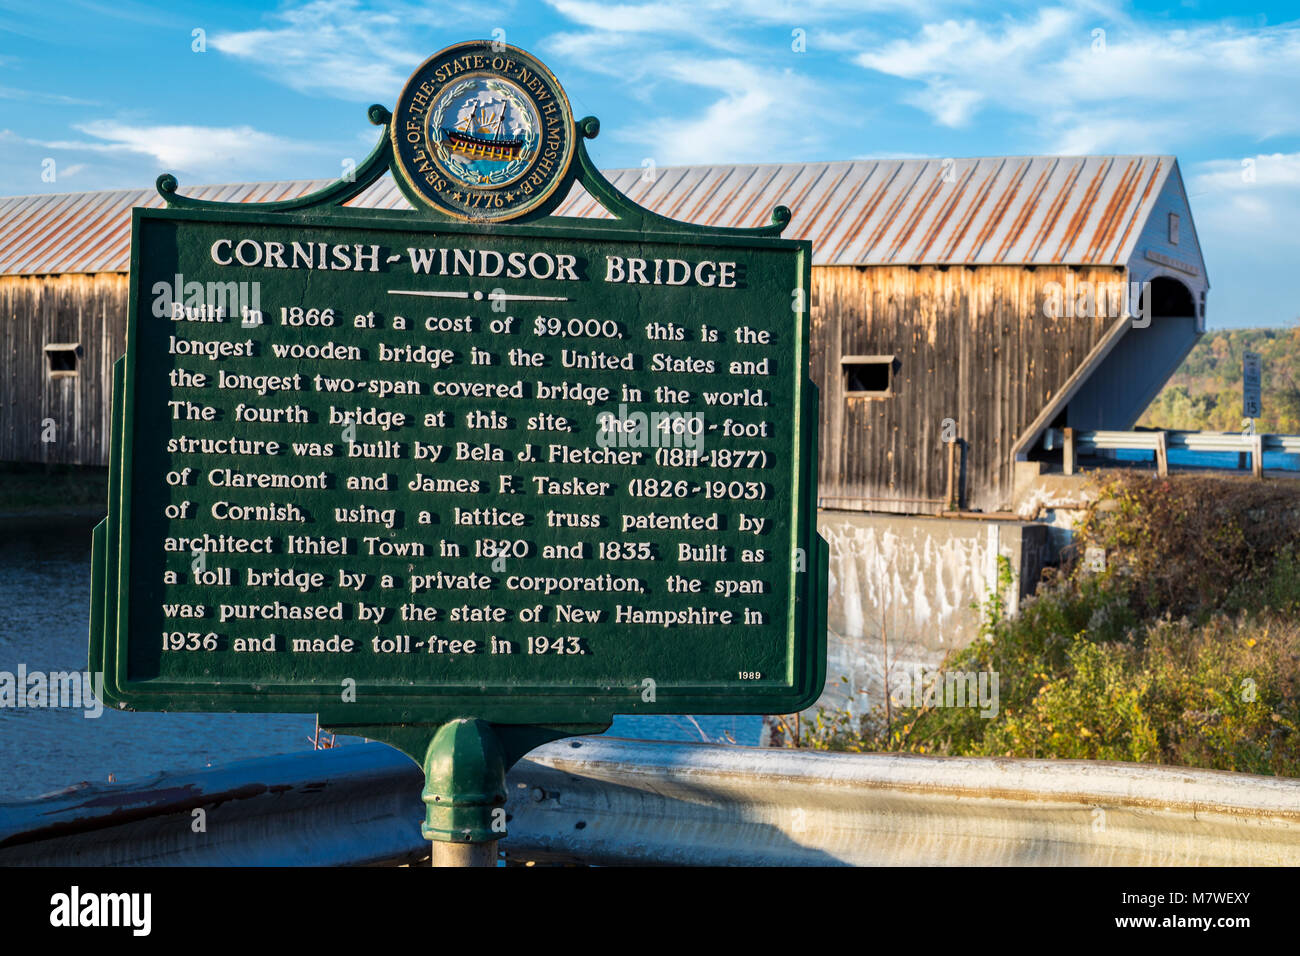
468	478
1252	379
1252	404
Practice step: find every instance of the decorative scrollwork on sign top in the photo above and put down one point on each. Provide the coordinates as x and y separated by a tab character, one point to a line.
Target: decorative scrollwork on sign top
335	194
382	160
625	209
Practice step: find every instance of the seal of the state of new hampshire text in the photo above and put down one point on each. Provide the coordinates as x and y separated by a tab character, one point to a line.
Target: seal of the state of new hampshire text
483	131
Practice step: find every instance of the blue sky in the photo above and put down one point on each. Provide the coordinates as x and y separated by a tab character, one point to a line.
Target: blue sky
113	92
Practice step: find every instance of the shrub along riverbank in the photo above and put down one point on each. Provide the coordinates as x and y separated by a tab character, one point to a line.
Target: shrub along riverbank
37	489
1185	650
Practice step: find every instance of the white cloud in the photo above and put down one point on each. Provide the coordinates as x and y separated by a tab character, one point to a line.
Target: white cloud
631	18
221	153
1099	132
750	121
874	157
964	65
841	38
597	51
1245	210
714	21
1247	175
723	24
36	166
1137	87
37	96
969	47
115	155
950	105
336	48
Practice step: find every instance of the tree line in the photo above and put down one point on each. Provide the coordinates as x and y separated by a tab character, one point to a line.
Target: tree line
1204	394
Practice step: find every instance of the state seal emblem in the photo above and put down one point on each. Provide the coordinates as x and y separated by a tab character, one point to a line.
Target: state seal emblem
483	132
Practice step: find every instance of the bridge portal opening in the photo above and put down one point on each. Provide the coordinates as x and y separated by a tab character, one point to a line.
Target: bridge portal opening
1169	299
1130	377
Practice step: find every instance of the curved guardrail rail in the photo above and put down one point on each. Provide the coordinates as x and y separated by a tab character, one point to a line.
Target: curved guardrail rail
606	800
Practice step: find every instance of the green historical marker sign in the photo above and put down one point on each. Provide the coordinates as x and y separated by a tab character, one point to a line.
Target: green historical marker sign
468	462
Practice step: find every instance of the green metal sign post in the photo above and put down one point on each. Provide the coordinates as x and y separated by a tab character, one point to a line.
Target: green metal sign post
468	478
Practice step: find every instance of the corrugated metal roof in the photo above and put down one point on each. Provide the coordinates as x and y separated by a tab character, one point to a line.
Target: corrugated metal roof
1006	209
91	232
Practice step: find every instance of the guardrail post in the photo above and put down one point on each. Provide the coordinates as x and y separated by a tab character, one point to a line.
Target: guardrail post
1068	460
1162	454
1257	455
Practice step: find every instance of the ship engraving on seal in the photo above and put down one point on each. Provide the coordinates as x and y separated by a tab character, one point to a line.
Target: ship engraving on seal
483	132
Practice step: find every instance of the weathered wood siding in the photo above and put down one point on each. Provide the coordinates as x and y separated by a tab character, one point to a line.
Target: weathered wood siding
34	312
972	344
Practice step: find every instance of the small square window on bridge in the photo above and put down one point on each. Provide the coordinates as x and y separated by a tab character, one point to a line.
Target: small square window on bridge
867	376
61	359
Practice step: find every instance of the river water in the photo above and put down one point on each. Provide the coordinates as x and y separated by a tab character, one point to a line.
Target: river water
44	626
1224	460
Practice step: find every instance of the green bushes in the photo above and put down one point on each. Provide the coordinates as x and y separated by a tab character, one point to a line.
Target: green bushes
1185	650
51	489
1190	545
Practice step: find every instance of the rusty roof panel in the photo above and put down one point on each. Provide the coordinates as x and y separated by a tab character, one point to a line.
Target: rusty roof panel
990	210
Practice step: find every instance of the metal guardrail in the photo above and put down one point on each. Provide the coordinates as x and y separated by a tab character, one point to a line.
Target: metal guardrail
1231	441
620	801
1073	443
1054	438
610	801
351	805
